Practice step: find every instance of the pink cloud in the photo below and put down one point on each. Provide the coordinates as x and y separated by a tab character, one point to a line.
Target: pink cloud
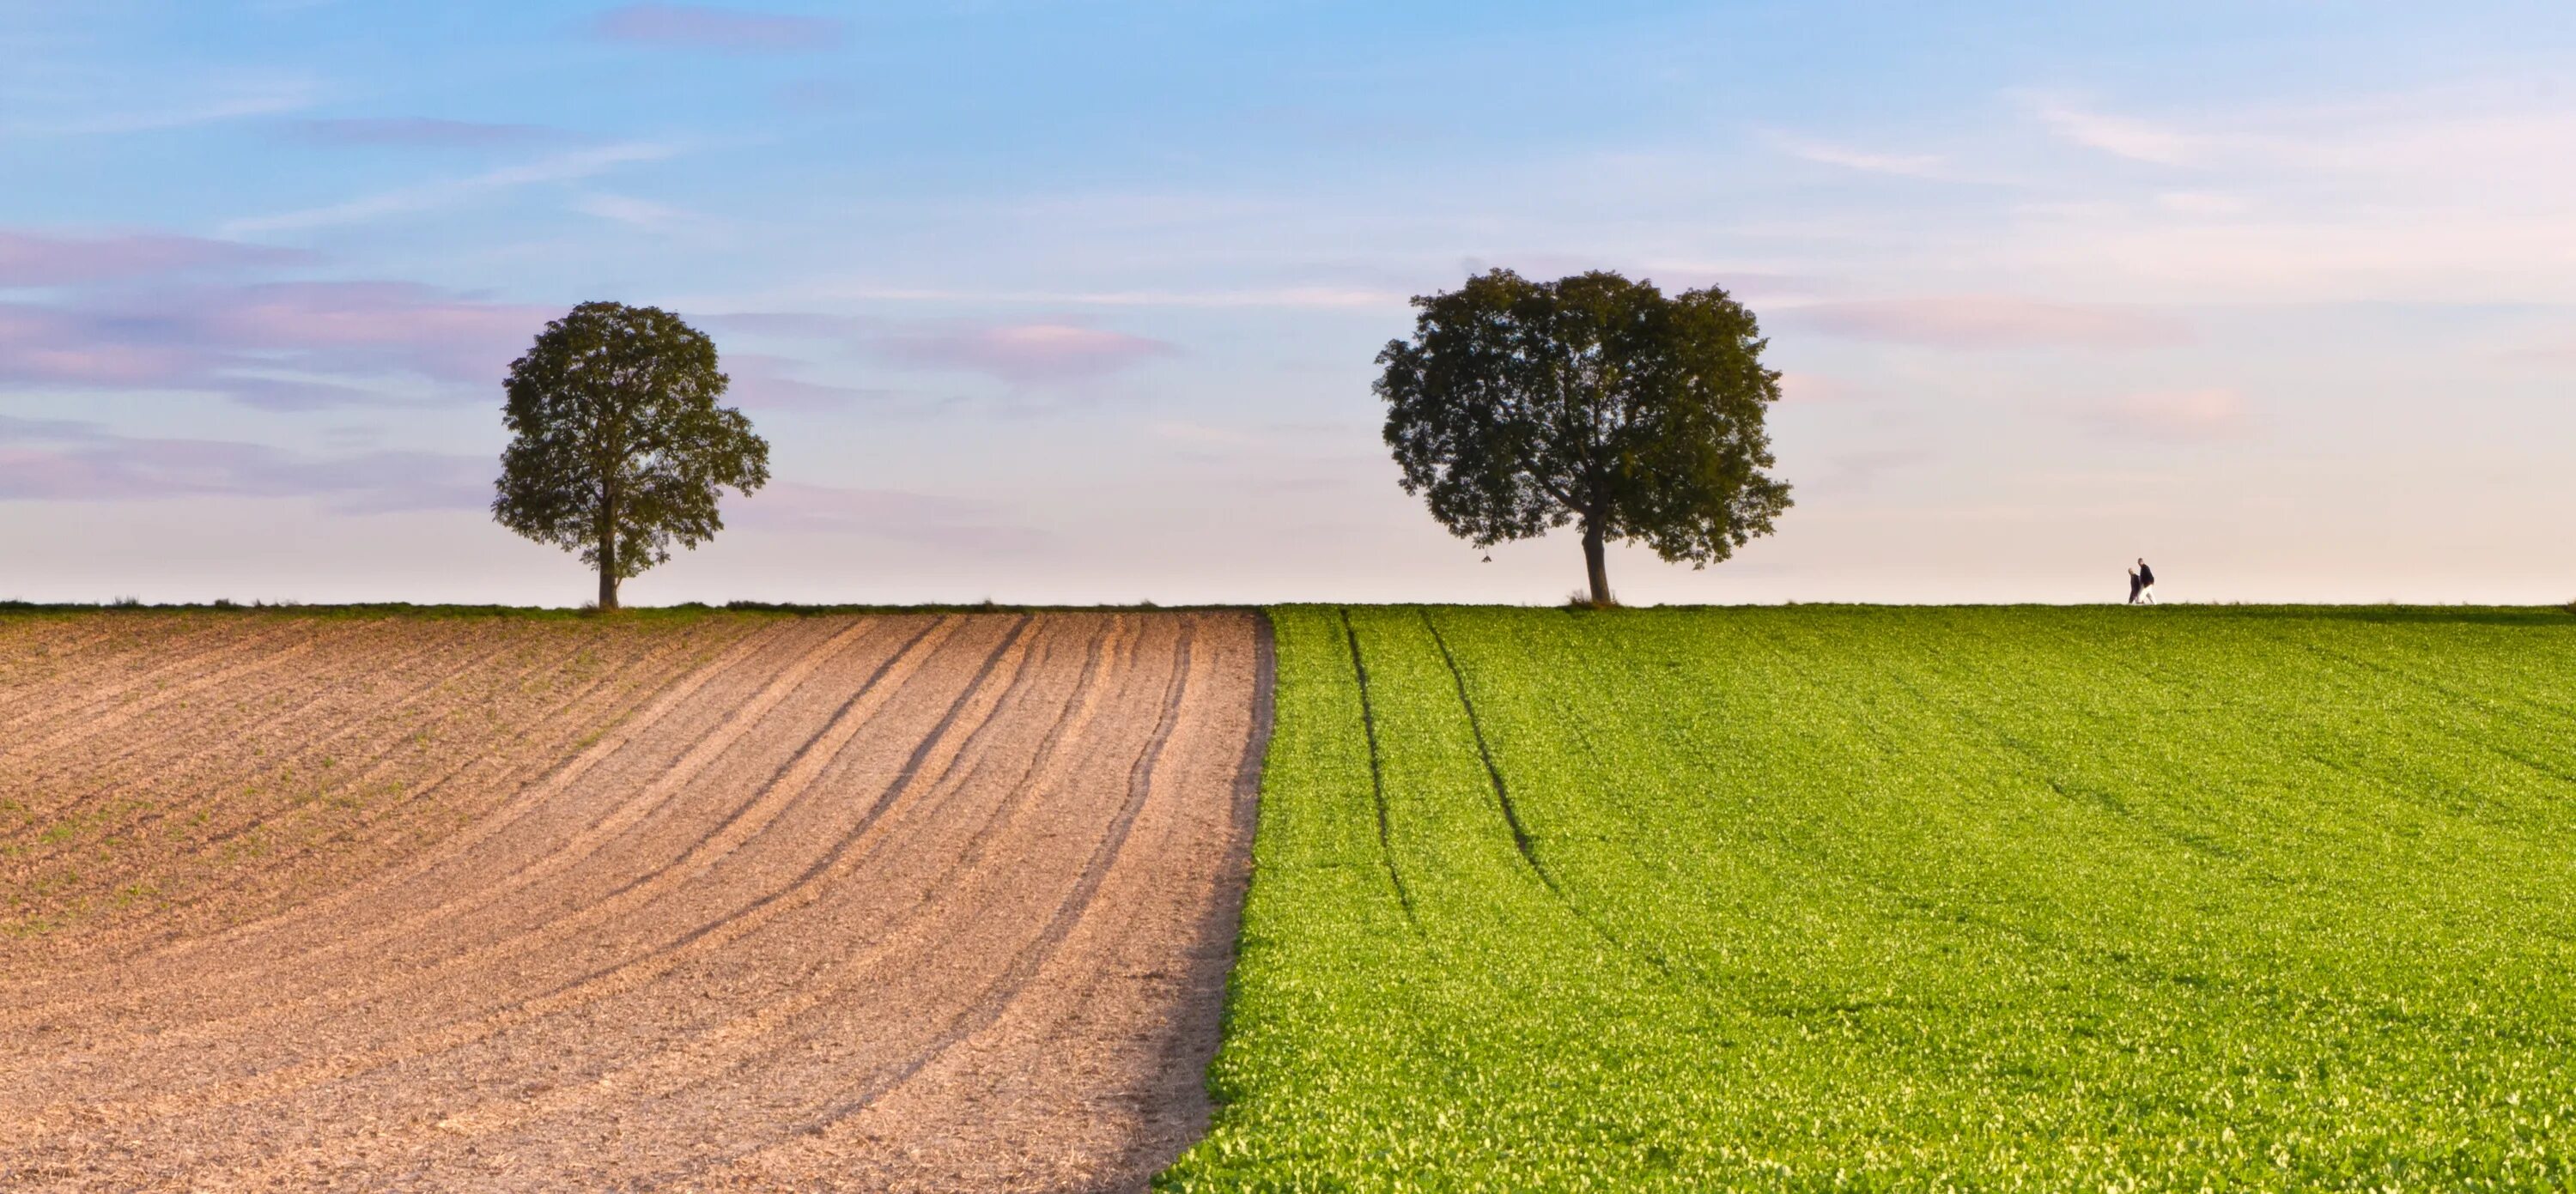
1037	353
761	382
432	333
59	460
51	346
2175	416
720	30
1024	353
34	259
224	340
1995	321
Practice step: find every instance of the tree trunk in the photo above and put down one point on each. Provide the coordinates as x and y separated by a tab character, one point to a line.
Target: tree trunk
1594	566
608	555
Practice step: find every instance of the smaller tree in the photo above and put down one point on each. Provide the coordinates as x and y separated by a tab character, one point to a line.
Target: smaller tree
618	448
1521	406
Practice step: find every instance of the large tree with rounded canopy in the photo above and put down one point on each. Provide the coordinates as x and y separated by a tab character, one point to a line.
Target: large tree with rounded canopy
618	448
1523	406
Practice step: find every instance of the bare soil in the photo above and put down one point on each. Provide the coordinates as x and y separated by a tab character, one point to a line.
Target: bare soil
882	903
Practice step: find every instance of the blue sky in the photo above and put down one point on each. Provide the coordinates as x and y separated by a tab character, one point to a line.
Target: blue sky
1046	301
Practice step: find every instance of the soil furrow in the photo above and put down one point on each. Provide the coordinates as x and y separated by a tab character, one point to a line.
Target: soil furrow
587	988
721	1048
1122	1155
791	783
329	915
685	1064
601	749
103	715
89	687
883	903
727	1047
112	777
1015	981
385	745
627	692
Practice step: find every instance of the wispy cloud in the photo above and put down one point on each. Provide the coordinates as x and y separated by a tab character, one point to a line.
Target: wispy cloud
2457	193
1994	322
2121	136
68	461
109	107
2419	142
763	382
420	132
565	167
1031	353
283	345
643	214
1024	353
715	30
47	259
1299	297
1908	165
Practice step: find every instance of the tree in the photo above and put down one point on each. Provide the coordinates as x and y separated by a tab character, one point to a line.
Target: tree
1521	406
618	448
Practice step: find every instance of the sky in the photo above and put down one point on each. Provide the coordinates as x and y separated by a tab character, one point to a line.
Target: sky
1052	302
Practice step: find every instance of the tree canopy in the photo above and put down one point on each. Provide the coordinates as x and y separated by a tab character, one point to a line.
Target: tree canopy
1522	406
618	448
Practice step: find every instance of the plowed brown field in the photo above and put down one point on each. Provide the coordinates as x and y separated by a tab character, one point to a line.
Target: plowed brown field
733	902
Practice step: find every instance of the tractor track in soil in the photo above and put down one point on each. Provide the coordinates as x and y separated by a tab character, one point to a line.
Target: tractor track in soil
883	902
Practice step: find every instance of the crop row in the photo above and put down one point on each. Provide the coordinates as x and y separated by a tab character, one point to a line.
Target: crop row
1829	898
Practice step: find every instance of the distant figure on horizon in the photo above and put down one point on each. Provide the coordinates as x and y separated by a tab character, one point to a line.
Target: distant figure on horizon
2134	586
2146	582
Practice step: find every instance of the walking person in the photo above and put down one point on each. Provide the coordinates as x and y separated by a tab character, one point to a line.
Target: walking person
2146	582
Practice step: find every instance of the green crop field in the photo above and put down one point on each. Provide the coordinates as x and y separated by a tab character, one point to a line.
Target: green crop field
1827	898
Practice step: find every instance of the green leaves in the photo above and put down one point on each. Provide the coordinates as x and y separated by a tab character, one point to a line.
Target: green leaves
1911	899
1523	406
619	449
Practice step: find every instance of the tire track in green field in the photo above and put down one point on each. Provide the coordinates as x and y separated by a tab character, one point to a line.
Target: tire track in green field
1951	898
2456	696
1377	776
1971	731
2055	773
1512	817
2456	741
1502	791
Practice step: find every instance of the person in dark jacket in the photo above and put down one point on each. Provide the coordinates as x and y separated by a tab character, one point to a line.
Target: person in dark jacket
2146	582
